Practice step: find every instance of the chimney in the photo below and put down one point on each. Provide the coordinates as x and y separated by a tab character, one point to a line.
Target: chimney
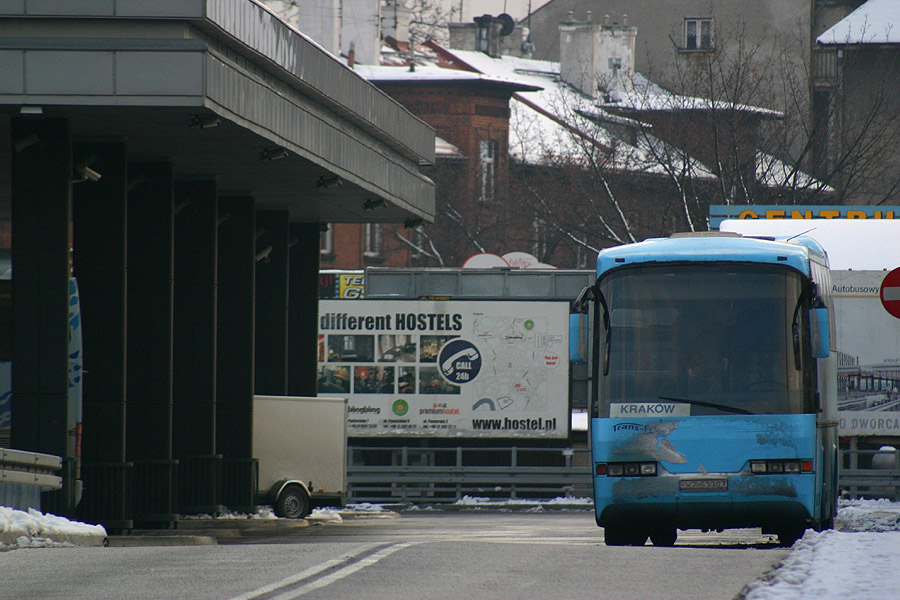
361	26
488	35
597	58
396	18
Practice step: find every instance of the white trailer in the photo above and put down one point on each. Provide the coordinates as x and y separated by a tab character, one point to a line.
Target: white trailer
301	445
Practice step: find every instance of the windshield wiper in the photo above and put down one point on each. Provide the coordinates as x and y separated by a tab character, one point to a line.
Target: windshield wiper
722	407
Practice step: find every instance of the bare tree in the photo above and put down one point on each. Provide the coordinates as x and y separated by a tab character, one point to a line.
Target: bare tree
730	126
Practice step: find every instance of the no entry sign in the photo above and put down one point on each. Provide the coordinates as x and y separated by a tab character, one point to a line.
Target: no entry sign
890	292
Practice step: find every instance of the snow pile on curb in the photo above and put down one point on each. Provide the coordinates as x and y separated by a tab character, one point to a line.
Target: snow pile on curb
33	529
857	560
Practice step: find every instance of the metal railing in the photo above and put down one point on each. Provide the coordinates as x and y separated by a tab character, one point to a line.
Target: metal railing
447	475
870	474
24	475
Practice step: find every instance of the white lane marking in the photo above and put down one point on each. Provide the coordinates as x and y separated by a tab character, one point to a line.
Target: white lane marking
340	574
310	572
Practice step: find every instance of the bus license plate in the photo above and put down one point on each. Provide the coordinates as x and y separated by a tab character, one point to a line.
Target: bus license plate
703	485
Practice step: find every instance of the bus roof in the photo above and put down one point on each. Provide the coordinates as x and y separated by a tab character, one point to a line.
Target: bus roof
713	247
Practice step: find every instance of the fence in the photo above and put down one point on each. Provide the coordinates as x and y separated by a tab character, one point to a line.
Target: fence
447	475
870	473
24	475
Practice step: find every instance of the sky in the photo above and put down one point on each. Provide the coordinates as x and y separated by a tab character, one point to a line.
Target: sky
517	9
858	560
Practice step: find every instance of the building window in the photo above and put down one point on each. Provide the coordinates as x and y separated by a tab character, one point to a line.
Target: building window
326	240
373	241
488	161
698	34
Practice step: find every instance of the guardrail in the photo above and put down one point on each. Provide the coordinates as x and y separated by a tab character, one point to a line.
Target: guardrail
870	473
451	484
24	475
447	475
410	474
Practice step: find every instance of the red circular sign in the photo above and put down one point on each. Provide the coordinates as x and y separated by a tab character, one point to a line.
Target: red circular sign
890	292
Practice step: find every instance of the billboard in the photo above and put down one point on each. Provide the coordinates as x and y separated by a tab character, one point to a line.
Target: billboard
775	212
431	368
341	284
868	343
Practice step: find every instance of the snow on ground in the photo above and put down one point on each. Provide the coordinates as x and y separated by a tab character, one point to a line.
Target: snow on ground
33	529
858	560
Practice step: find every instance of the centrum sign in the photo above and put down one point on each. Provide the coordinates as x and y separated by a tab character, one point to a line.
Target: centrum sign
443	368
718	213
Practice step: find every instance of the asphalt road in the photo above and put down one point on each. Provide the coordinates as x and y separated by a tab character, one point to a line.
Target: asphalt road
433	555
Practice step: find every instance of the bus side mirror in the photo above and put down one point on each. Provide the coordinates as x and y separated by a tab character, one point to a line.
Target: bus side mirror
820	332
578	338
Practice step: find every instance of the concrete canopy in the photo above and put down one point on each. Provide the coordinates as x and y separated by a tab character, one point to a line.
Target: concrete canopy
145	72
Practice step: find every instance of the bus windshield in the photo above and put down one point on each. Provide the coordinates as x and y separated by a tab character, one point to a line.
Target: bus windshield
699	339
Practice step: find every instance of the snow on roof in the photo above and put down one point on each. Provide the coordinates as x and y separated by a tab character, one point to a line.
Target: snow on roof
775	172
648	96
875	22
544	123
551	121
382	74
445	149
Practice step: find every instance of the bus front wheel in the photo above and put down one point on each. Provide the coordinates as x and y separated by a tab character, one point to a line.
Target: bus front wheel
788	534
664	536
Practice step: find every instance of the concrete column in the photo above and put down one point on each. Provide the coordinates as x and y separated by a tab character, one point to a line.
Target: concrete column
41	207
271	302
196	260
100	255
303	311
235	350
149	346
235	347
194	357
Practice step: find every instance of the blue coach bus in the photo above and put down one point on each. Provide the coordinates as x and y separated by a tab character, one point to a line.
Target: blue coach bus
713	396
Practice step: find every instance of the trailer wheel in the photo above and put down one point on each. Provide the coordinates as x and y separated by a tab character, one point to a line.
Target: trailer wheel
292	503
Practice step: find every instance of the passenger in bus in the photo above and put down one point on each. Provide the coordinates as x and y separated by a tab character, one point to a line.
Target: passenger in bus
706	370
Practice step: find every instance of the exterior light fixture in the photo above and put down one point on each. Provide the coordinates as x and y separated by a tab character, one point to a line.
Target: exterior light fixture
273	153
373	203
329	181
86	174
31	110
83	171
204	121
413	222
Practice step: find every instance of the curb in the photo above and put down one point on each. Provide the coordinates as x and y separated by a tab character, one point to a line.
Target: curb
133	541
19	538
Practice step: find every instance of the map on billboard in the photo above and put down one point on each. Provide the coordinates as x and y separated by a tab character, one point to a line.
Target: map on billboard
447	368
